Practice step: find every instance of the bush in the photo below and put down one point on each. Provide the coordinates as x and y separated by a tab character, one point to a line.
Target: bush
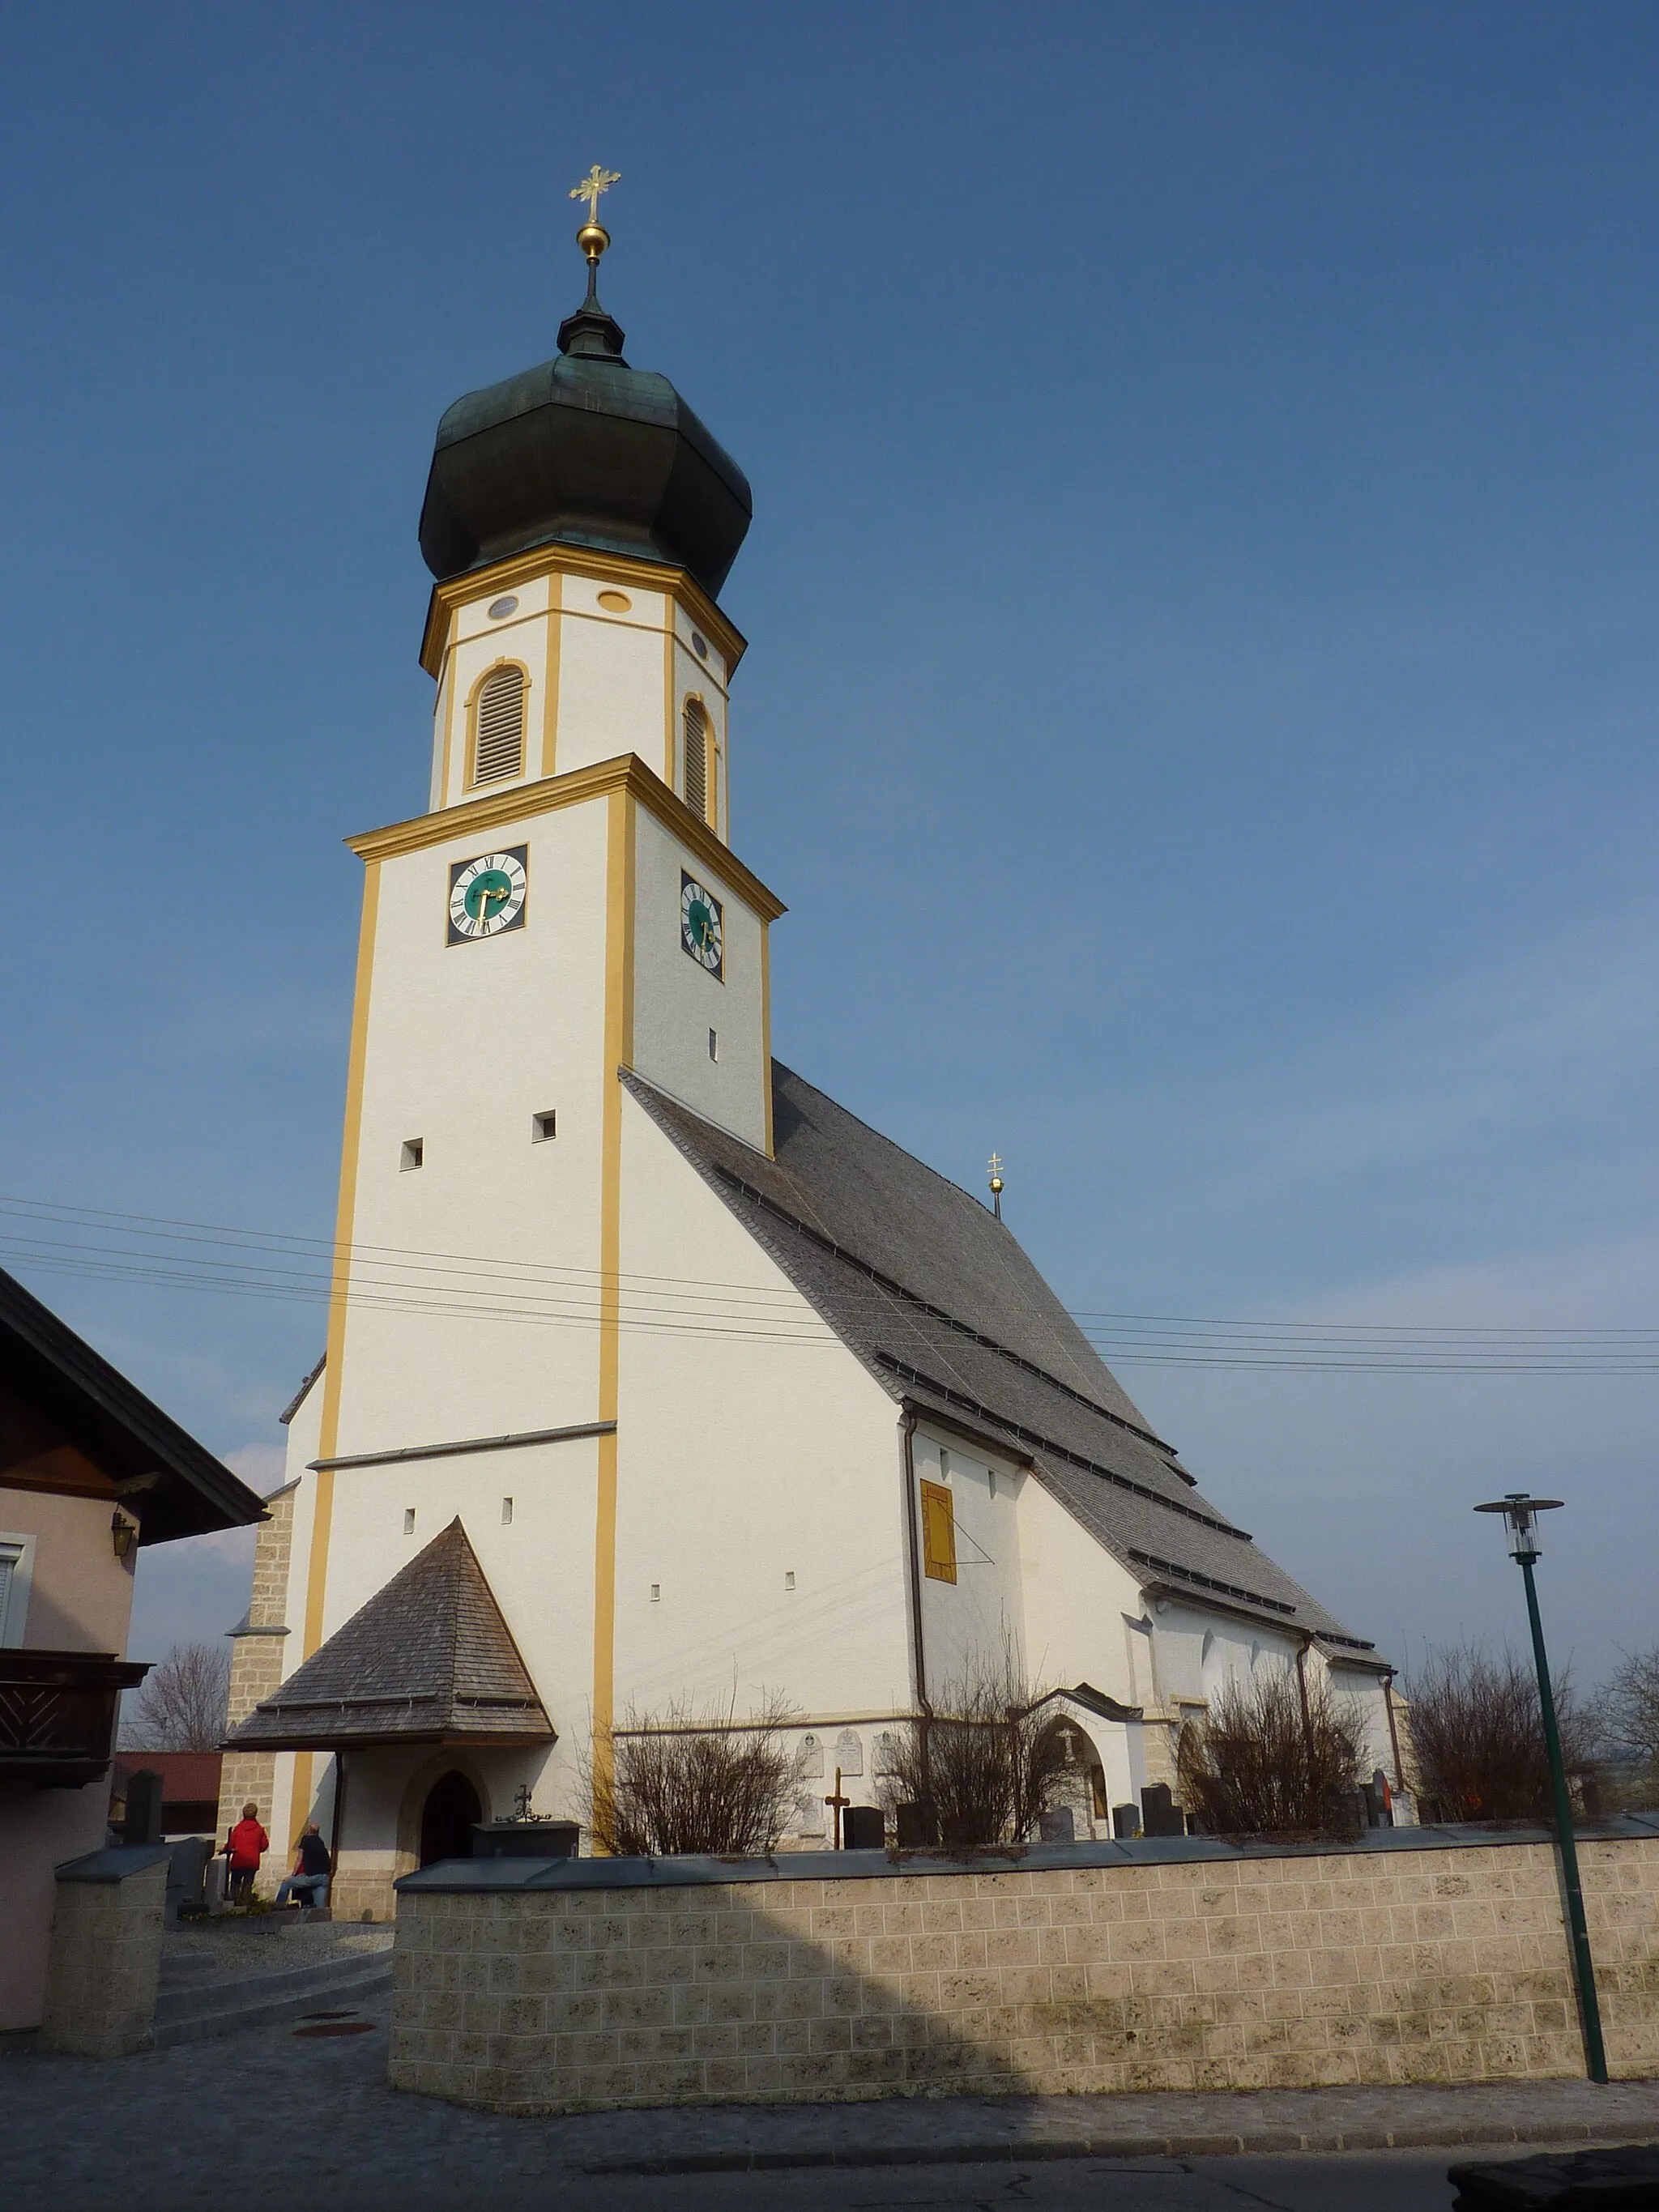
1629	1707
690	1784
982	1757
1263	1763
1478	1738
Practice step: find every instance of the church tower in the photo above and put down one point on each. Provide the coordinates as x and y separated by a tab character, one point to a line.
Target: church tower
567	907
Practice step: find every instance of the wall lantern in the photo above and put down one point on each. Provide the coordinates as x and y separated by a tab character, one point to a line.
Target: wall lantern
1521	1515
122	1533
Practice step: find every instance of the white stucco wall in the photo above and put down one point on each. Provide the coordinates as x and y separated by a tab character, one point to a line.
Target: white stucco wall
613	676
677	1002
751	1447
465	1044
968	1625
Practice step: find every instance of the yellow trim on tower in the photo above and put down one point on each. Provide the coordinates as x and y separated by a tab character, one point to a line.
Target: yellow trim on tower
766	1031
322	1519
622	840
576	560
668	689
555	645
513	802
447	701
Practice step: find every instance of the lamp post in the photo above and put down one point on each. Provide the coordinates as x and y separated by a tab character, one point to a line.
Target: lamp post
1520	1515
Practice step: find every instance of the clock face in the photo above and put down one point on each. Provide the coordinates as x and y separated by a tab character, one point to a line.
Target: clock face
487	896
700	934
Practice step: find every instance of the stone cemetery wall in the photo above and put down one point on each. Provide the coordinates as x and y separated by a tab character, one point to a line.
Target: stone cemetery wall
105	1958
1099	1968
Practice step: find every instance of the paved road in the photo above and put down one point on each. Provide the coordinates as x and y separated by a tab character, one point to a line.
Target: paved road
268	2121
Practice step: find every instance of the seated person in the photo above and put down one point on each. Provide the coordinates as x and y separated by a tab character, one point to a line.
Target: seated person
308	1883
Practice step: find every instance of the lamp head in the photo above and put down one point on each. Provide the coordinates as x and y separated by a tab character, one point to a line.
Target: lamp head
1520	1515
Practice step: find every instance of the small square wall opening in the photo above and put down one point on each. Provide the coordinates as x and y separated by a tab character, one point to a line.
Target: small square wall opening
409	1520
789	1578
656	1592
544	1127
713	1045
414	1152
507	1513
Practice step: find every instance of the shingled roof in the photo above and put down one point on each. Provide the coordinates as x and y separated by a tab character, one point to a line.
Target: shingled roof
935	1296
430	1659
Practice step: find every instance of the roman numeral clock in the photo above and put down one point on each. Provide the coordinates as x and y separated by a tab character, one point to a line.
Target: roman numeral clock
487	895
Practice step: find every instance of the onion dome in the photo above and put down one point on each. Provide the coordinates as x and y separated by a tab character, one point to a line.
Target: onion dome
583	450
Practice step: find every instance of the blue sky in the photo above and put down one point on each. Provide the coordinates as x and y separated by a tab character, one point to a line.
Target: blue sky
1200	700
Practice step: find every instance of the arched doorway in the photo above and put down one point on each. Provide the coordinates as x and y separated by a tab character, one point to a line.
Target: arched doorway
1081	1783
451	1806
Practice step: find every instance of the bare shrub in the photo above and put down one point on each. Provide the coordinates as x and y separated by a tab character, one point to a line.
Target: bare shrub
1261	1764
983	1757
1629	1706
1478	1737
181	1704
693	1783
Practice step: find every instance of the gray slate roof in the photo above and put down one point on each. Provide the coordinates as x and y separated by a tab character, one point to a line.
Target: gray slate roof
936	1298
430	1659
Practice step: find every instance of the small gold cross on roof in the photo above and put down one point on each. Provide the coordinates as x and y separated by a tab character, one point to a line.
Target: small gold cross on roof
596	181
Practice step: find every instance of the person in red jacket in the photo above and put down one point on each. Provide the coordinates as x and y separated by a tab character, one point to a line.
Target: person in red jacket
245	1845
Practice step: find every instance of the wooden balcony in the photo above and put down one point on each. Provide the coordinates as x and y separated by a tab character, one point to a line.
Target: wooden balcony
57	1713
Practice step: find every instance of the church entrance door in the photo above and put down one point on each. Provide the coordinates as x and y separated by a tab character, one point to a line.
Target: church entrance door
447	1818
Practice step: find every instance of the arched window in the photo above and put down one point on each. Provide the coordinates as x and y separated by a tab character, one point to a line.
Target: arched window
498	733
697	758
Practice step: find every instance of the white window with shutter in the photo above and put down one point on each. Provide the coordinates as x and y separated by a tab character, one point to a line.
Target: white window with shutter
697	758
498	729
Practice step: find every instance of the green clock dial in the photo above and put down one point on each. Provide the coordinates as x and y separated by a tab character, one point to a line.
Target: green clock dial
702	928
487	896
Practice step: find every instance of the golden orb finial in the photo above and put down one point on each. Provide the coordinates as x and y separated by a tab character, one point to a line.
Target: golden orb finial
593	237
996	1165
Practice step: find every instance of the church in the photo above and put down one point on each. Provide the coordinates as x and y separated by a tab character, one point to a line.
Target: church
657	1385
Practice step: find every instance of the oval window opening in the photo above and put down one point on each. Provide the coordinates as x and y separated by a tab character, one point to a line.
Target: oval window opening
501	609
615	602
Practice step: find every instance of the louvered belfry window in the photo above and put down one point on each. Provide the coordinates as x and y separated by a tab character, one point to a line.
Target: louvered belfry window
498	748
697	758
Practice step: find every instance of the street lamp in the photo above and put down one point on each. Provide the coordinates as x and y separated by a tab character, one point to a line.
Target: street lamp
1520	1515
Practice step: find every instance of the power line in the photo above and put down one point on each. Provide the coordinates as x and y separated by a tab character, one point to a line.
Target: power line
195	1256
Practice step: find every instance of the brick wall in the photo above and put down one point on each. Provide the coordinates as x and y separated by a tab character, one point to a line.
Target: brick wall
1379	1966
256	1663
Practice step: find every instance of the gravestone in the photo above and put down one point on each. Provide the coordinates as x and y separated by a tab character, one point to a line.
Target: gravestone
916	1827
1160	1815
1057	1825
863	1828
186	1879
1126	1822
143	1823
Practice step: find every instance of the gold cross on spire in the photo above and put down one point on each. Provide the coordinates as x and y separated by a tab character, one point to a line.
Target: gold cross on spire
596	181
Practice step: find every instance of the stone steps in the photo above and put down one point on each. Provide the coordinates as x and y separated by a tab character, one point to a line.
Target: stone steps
184	2014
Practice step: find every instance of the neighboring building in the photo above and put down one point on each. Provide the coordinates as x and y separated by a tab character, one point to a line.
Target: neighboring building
90	1472
654	1378
190	1788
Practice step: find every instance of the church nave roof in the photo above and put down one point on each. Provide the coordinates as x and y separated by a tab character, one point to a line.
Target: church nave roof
936	1298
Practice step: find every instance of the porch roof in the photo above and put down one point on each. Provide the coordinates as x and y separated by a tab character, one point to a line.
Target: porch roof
428	1659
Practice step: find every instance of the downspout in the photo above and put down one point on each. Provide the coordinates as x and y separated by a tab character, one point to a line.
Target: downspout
918	1657
1393	1733
918	1652
1302	1649
334	1824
